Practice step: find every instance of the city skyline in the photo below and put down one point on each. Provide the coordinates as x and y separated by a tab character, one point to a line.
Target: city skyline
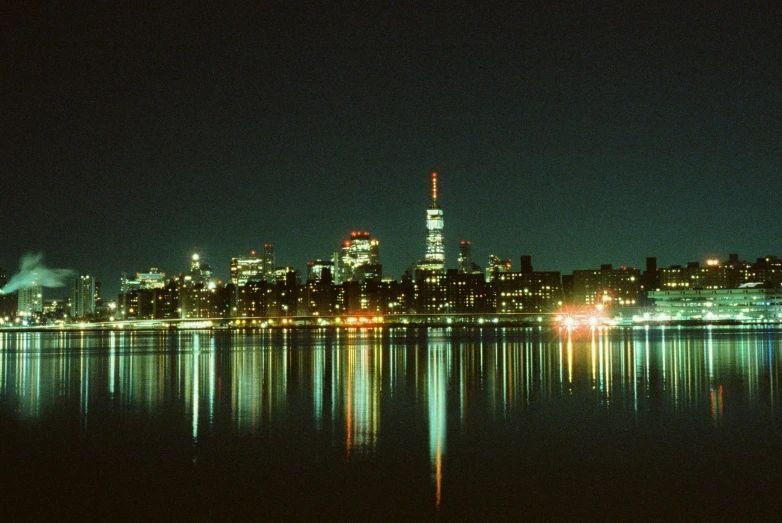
578	135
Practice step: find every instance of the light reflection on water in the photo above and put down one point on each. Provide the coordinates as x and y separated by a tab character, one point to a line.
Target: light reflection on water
345	374
352	385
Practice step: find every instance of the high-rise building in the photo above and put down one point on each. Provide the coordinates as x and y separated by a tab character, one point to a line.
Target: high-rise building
8	302
269	265
318	269
247	267
466	265
83	296
605	287
496	266
360	258
435	245
200	272
526	263
154	279
31	298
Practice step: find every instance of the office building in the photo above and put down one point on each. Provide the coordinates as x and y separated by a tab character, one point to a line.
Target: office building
528	291
154	279
466	265
83	296
434	261
750	302
496	266
604	287
360	258
269	264
30	298
319	270
246	268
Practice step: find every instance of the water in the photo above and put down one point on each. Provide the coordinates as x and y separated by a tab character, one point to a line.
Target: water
392	424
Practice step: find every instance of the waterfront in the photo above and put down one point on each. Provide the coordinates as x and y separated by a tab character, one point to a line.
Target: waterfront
391	423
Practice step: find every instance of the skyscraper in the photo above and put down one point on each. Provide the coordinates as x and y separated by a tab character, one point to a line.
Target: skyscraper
269	264
466	265
246	267
435	246
31	297
83	296
360	258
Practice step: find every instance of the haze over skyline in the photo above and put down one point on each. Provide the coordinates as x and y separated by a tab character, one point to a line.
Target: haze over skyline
579	135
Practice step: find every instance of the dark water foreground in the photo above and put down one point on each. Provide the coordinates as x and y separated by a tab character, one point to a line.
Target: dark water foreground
392	424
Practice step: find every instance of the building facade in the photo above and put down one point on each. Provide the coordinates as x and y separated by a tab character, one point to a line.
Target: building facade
434	260
83	296
359	259
749	302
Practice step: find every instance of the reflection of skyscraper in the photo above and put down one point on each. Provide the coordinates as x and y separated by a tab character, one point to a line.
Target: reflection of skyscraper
438	420
435	247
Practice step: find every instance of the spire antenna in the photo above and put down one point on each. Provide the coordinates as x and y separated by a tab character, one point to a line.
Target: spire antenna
434	186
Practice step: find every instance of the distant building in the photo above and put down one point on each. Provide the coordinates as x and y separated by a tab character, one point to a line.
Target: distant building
8	302
269	264
360	259
525	263
607	286
31	298
246	268
83	296
496	266
435	244
750	302
127	285
431	292
467	293
466	265
283	275
713	276
200	272
154	279
527	292
315	270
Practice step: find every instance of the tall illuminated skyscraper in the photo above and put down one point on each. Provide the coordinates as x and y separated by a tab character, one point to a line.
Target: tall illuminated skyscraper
83	296
435	246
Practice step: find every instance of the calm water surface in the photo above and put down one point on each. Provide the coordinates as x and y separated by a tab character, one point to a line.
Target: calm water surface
392	424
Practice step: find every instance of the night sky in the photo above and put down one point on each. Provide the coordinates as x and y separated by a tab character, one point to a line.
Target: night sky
579	134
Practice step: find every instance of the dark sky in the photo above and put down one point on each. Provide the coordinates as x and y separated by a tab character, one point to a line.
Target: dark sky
577	133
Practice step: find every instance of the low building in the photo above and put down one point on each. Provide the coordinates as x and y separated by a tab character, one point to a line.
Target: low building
750	302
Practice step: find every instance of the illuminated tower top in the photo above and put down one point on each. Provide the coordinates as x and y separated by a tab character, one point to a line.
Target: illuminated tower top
435	248
434	192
